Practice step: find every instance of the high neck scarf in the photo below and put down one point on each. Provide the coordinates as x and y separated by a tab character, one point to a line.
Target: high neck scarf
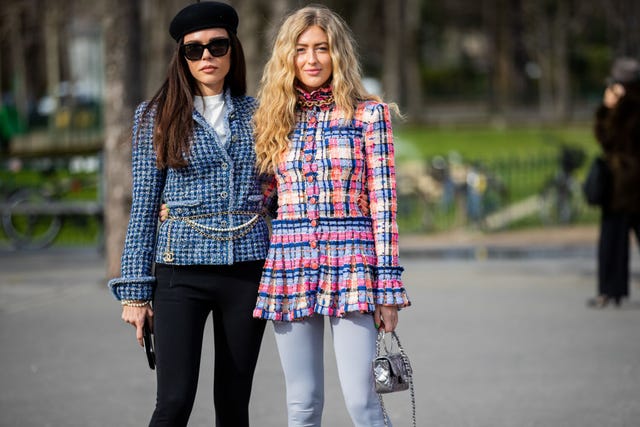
321	99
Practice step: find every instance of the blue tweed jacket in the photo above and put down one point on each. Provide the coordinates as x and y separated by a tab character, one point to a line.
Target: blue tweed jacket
215	203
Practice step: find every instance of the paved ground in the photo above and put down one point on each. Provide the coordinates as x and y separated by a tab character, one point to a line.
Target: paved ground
498	339
565	242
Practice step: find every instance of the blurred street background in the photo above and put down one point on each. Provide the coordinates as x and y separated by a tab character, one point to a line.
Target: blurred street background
498	98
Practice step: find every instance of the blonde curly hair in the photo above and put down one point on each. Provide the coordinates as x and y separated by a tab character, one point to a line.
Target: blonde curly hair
275	117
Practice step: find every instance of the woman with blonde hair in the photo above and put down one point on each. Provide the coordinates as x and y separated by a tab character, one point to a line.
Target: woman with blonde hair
334	243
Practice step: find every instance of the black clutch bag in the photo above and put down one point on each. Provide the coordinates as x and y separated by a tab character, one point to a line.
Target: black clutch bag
392	372
147	337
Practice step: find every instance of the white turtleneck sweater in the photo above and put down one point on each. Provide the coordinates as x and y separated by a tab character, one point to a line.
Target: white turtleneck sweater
213	110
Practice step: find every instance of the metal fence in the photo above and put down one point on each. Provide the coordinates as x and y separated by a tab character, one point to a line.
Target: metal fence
58	200
440	194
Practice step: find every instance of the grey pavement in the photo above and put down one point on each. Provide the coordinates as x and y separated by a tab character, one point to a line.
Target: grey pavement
498	335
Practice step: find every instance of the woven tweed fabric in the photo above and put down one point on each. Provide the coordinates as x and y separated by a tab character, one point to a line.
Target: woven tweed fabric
218	180
334	244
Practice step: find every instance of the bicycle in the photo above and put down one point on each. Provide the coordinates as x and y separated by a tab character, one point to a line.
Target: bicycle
448	192
32	216
27	223
561	196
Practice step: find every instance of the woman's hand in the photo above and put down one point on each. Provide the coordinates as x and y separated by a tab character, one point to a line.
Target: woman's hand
164	212
386	317
612	95
136	316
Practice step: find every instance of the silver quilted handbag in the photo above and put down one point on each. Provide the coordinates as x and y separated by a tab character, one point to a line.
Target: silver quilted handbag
392	372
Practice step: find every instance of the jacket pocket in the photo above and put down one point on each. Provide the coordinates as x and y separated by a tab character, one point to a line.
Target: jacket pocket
183	206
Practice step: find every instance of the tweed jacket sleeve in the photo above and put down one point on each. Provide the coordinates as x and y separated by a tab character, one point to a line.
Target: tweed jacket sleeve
381	188
137	280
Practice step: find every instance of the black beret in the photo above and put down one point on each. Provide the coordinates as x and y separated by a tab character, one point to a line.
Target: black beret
200	16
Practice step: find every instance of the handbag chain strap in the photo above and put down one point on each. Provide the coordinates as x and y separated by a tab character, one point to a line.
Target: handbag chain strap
405	359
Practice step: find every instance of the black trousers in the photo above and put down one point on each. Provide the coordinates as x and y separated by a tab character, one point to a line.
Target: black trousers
183	299
613	252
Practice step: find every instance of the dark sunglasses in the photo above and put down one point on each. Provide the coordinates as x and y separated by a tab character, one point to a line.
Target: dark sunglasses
216	47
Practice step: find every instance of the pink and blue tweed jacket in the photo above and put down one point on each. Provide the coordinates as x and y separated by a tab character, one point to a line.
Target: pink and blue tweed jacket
334	243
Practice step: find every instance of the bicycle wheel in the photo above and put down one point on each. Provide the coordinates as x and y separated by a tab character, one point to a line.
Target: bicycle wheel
26	223
557	204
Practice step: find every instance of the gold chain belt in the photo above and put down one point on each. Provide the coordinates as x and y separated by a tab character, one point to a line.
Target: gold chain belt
206	231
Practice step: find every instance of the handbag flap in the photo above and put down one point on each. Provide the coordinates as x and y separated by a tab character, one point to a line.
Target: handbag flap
394	363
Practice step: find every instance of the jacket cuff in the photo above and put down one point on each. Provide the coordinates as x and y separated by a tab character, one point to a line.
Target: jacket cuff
389	289
138	289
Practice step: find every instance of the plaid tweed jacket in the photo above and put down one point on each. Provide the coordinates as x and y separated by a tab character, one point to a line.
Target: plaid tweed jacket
334	242
215	202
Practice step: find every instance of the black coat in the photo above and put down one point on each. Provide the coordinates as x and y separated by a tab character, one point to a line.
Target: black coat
618	133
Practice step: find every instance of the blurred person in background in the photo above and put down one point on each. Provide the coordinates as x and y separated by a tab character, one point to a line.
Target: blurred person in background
617	129
193	149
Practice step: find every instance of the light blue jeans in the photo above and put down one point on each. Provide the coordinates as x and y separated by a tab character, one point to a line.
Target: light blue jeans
300	344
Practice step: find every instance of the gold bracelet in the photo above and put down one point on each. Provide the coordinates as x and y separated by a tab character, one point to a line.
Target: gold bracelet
131	303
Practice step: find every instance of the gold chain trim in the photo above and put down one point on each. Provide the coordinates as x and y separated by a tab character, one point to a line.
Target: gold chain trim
205	231
320	103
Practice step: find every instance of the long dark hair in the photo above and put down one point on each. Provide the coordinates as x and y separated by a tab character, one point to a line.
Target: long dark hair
173	105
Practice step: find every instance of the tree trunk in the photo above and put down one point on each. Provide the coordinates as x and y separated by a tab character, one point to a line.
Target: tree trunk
519	54
561	61
413	87
543	49
19	72
52	44
503	58
632	30
122	93
490	10
155	18
392	55
254	46
628	27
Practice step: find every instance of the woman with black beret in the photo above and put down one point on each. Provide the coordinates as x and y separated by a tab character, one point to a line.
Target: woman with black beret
193	150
